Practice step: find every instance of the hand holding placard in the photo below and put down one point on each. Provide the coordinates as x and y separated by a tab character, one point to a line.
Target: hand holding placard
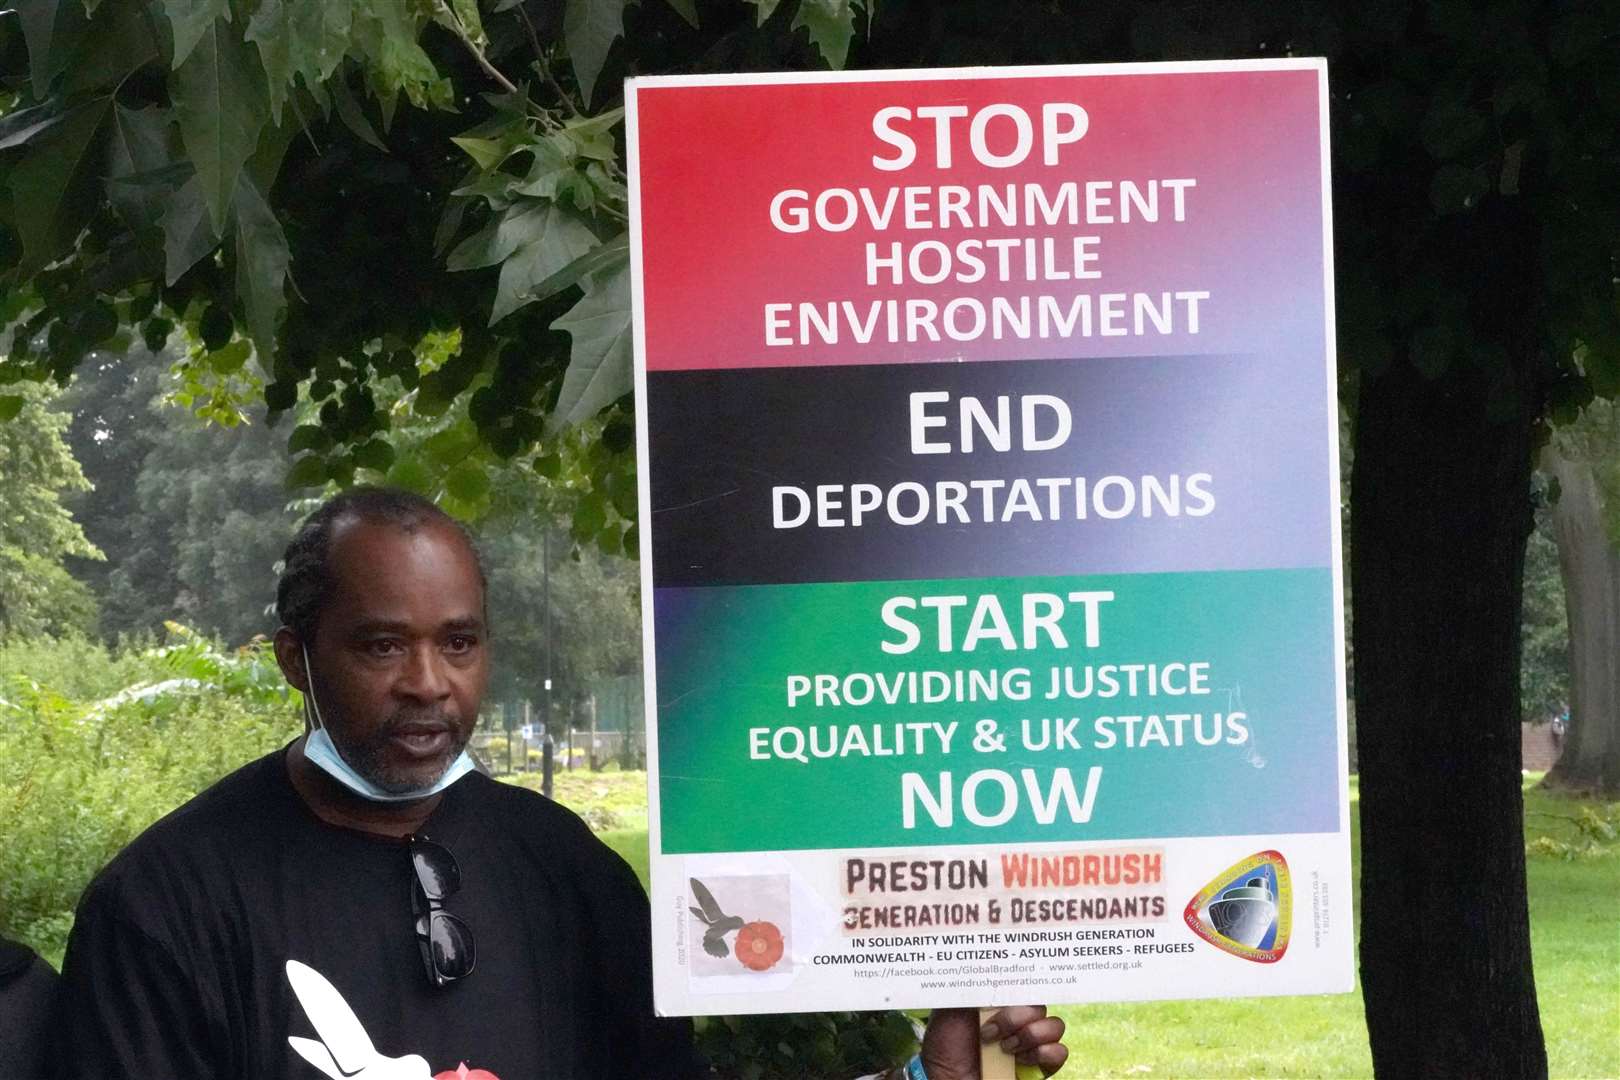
973	1044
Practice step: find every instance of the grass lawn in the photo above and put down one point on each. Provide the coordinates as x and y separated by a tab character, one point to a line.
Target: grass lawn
1575	936
608	800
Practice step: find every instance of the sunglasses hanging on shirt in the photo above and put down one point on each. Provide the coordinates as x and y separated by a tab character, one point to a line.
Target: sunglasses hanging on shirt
445	942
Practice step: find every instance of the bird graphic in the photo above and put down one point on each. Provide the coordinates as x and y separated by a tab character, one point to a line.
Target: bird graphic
718	922
344	1051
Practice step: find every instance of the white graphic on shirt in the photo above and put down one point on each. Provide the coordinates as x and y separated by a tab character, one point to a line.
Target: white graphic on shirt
344	1050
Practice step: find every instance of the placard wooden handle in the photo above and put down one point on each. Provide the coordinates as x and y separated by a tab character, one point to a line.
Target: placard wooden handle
994	1062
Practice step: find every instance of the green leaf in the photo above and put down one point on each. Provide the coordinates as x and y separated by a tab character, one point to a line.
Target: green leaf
139	140
340	471
596	184
604	257
190	20
468	482
141	199
353	117
155	336
556	240
495	188
261	267
123	40
487	152
507	231
53	184
686	9
599	368
387	33
220	99
467	12
764	10
624	501
1601	360
278	396
464	13
188	233
618	435
597	146
376	454
272	31
552	166
410	474
831	24
264	165
431	400
95	323
321	32
308	471
215	327
450	446
16	128
450	223
308	437
498	238
50	28
10	406
590	28
590	515
228	359
463	509
508	118
387	101
585	128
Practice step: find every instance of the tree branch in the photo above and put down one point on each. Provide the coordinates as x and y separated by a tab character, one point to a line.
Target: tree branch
543	67
460	30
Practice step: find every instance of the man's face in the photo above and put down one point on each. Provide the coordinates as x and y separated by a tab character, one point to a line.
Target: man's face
400	657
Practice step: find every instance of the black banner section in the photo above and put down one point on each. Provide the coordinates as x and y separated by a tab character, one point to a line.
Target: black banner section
788	475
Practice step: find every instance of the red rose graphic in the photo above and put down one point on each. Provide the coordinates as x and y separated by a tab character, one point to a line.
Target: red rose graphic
759	945
464	1073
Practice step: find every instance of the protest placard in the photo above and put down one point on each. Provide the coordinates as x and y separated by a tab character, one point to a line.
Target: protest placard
990	536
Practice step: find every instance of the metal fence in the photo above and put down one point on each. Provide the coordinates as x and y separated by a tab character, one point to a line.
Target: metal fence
606	728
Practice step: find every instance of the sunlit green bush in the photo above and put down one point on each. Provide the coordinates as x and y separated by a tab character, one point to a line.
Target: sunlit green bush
80	778
80	668
789	1047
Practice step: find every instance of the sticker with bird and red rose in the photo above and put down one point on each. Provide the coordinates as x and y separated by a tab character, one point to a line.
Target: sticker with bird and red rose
742	925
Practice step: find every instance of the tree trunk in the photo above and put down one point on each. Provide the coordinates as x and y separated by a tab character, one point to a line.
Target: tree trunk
1440	513
1590	567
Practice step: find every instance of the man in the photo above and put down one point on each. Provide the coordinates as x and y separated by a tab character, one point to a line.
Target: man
27	985
363	904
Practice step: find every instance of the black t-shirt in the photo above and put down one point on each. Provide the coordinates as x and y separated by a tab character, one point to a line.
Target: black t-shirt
26	987
178	965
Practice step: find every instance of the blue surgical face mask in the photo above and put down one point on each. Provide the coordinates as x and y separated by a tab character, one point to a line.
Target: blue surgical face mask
324	755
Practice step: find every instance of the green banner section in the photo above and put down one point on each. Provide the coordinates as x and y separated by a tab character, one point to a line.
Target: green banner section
910	713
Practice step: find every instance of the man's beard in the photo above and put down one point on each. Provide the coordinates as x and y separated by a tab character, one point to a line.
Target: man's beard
371	758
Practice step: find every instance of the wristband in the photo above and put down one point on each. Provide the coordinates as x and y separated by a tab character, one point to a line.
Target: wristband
914	1068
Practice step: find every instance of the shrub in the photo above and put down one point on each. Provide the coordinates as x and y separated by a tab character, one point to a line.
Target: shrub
600	819
80	779
799	1045
75	667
